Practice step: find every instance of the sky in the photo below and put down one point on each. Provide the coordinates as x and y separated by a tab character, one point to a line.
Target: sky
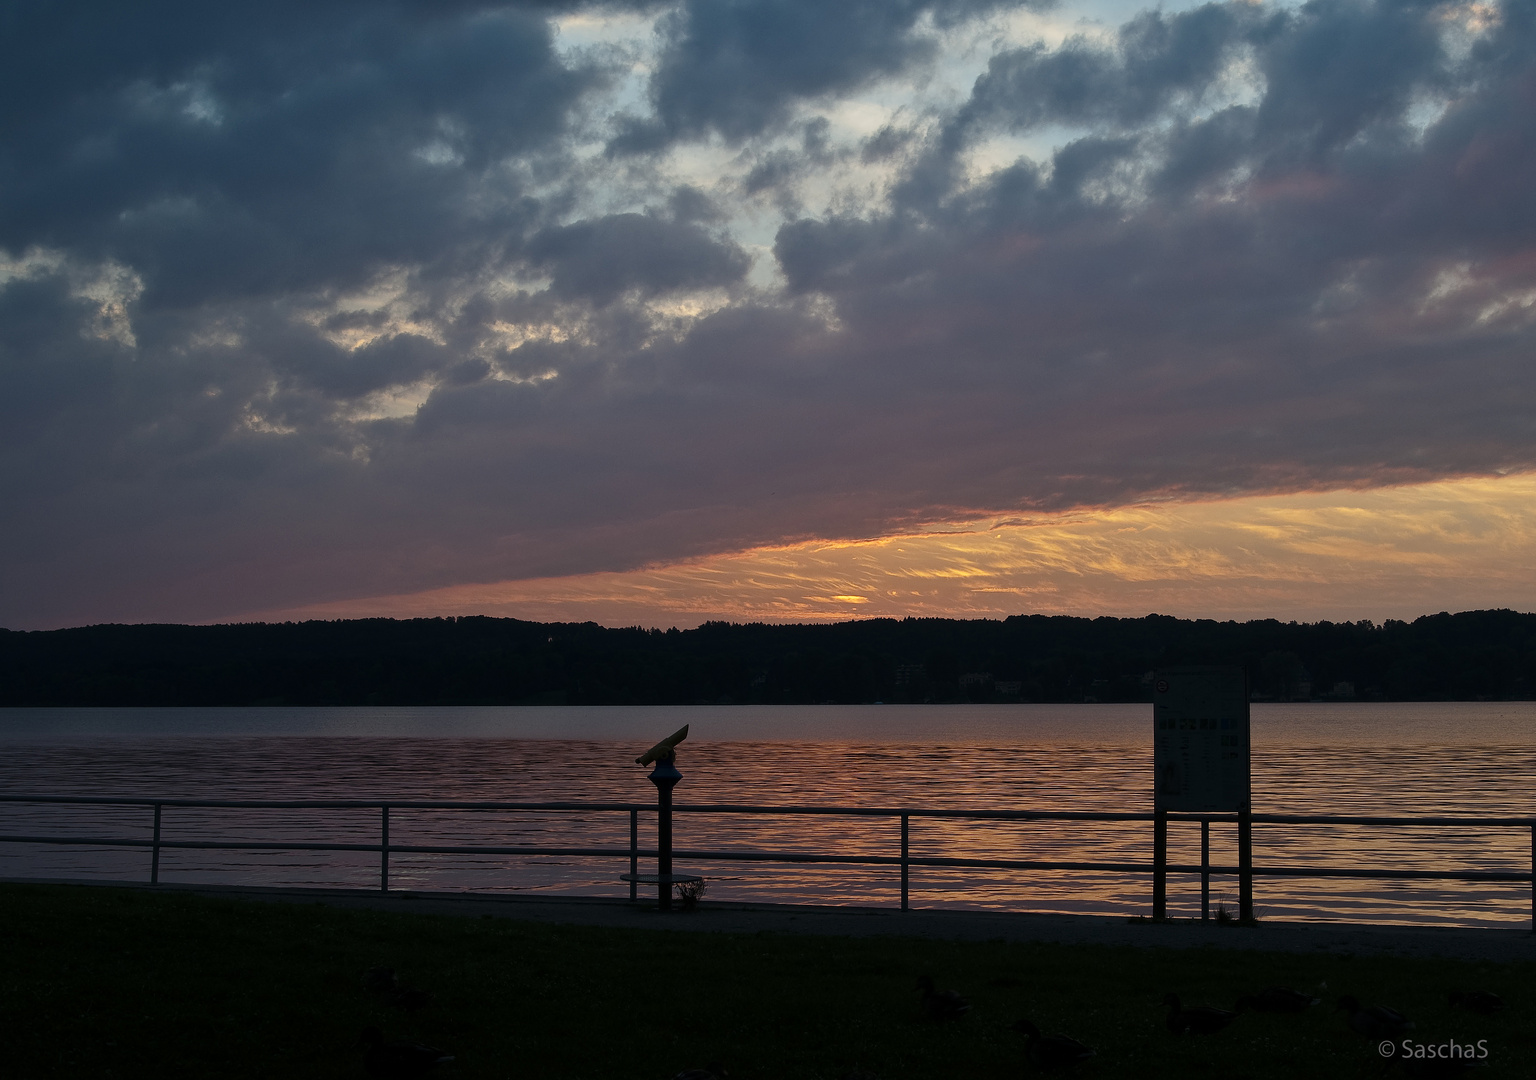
653	313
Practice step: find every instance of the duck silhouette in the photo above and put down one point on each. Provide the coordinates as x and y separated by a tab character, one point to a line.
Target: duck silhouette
399	1060
1199	1019
1048	1053
941	1004
1277	999
1479	1001
1373	1021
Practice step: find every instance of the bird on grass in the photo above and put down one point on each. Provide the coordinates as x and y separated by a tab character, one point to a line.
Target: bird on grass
1479	1001
941	1004
1277	999
399	1060
1373	1021
1199	1019
1047	1053
713	1071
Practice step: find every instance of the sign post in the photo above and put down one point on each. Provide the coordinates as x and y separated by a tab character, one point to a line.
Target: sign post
1200	755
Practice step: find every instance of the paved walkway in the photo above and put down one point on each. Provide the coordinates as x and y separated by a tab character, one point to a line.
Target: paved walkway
1501	946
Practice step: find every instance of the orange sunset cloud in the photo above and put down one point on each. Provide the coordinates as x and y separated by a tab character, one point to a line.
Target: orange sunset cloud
1385	553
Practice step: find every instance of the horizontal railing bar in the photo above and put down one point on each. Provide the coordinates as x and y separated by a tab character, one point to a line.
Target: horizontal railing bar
896	860
745	808
697	808
1123	868
1340	819
471	849
323	804
301	845
784	857
395	849
1388	875
1349	872
89	841
888	811
421	804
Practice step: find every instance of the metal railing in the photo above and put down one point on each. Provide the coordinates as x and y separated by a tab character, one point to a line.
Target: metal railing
904	860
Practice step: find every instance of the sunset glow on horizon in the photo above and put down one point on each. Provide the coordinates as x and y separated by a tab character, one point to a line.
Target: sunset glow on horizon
1377	554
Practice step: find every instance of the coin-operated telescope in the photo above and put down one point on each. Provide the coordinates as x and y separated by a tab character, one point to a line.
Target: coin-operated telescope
666	750
663	759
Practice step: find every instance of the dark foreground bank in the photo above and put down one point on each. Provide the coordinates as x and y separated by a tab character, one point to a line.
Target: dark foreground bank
133	982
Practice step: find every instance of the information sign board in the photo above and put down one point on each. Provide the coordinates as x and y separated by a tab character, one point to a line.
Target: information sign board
1200	739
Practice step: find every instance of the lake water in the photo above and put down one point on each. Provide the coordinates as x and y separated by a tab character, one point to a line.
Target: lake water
1377	759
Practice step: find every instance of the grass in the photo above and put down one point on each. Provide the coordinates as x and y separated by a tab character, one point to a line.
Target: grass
101	982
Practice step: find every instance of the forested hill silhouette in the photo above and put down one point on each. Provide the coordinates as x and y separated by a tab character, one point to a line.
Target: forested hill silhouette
475	660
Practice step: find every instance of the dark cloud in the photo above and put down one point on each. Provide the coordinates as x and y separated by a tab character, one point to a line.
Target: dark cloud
815	254
780	168
1200	151
238	247
885	144
689	204
1336	69
1156	60
1227	300
1331	70
230	149
51	365
737	67
603	257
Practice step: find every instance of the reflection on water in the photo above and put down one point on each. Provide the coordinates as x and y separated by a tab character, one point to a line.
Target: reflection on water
1415	759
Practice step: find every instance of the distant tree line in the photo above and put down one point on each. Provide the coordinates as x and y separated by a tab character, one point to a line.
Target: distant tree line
1031	658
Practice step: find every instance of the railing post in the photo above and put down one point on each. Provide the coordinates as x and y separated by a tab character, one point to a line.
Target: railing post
1160	864
1205	868
905	854
384	848
154	851
1245	863
634	855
